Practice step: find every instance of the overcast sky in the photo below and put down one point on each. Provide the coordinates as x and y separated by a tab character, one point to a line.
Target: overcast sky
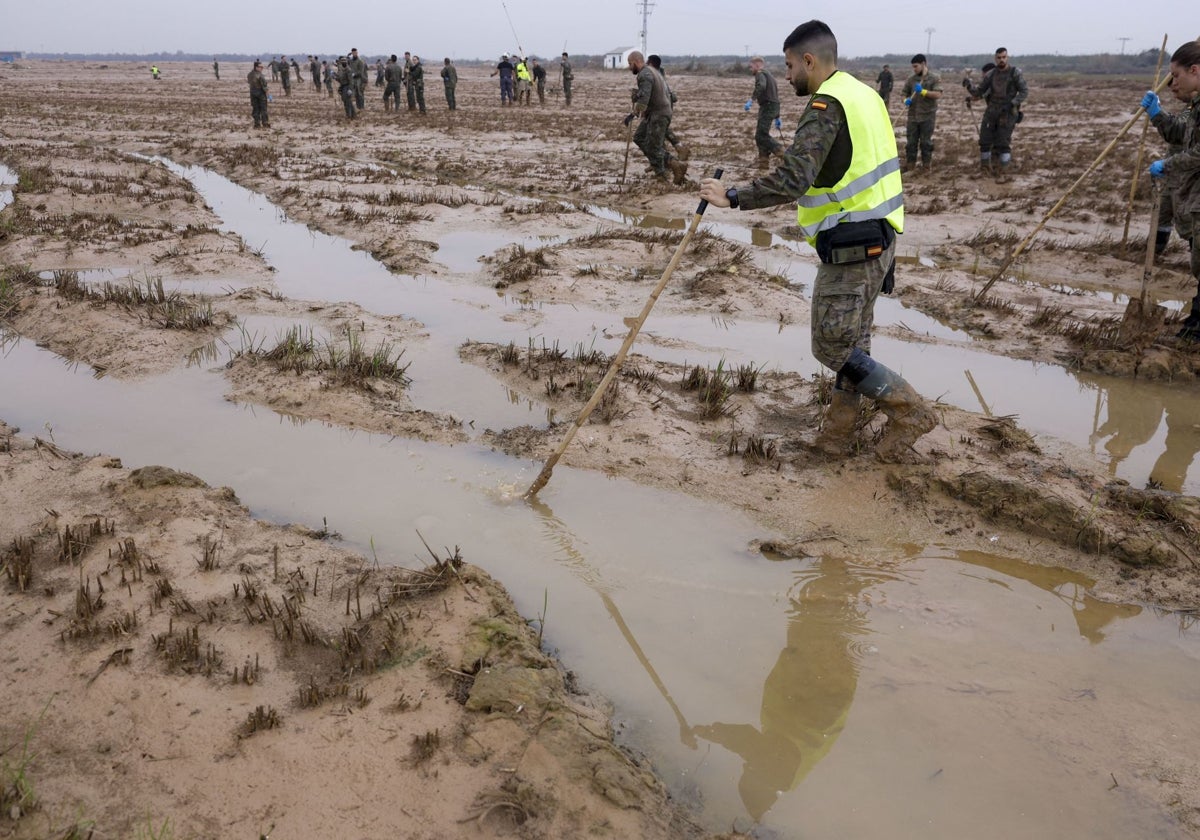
482	28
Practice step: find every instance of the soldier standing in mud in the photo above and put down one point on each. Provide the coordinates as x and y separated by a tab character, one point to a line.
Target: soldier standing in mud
358	78
409	93
393	75
1182	169
327	77
416	82
216	69
314	68
766	94
345	83
258	96
274	64
285	76
1004	89
566	75
450	82
885	80
844	175
379	72
539	79
653	104
681	151
921	93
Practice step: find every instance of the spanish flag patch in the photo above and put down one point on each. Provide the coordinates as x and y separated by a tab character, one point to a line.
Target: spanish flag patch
818	105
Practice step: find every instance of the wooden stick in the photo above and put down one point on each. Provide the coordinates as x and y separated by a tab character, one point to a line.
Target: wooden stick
1156	197
1025	242
1137	164
628	140
615	366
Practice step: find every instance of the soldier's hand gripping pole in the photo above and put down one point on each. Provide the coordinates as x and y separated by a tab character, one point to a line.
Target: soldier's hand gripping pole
1025	242
615	366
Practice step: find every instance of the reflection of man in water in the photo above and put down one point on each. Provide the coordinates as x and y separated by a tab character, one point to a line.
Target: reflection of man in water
808	693
1183	440
1134	417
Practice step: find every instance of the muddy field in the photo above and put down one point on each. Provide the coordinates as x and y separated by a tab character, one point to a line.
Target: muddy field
282	669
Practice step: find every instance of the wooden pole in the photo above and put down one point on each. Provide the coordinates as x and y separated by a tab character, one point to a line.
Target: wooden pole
615	365
1137	164
628	140
1025	242
1148	269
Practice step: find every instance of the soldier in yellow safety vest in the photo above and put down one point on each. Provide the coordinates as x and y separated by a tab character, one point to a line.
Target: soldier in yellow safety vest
524	78
843	173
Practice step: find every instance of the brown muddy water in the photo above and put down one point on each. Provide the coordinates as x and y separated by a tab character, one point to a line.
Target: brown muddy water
912	691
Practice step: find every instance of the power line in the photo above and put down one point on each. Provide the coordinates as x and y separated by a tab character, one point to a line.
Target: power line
646	8
1123	40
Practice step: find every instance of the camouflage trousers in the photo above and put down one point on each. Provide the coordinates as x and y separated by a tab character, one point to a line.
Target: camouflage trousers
843	307
566	86
762	129
650	135
391	96
996	130
450	103
258	109
1184	223
416	92
919	135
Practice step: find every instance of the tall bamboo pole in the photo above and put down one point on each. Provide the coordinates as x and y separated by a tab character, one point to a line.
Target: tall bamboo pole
1137	164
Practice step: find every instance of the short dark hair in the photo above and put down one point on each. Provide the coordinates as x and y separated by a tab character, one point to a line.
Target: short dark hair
1000	50
919	58
815	37
564	53
654	60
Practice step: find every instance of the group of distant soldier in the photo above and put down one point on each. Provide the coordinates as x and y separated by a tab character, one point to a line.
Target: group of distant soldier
348	74
1003	89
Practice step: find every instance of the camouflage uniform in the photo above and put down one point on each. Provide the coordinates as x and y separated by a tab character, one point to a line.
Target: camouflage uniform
885	80
345	83
258	97
1004	91
567	75
314	68
450	81
285	77
393	75
539	79
1182	173
409	93
216	70
922	116
274	65
378	73
358	79
653	103
843	300
327	76
1167	217
766	94
416	84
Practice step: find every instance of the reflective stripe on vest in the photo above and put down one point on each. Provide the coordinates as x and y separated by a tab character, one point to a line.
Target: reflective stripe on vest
523	73
871	187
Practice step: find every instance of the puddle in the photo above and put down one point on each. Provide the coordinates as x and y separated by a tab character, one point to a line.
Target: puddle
7	179
955	695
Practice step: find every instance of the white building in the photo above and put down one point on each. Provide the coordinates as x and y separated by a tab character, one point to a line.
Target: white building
617	59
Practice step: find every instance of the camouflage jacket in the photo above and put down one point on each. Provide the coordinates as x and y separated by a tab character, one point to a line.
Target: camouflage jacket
258	84
765	89
358	68
922	107
1183	167
416	74
819	156
393	73
344	75
651	97
1001	88
449	75
885	80
565	70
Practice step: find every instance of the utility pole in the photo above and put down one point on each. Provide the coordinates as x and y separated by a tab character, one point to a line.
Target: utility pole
1123	40
646	8
929	30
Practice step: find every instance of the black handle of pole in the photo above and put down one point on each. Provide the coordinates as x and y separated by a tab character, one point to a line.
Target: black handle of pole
704	202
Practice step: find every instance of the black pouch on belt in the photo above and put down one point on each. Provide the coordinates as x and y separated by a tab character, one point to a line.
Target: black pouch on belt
854	242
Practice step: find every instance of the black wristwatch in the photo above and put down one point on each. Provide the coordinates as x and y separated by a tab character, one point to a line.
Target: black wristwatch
731	195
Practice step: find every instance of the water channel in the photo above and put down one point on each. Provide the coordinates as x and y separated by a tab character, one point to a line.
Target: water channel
959	694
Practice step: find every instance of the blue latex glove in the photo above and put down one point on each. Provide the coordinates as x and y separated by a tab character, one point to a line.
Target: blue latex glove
779	123
749	102
1156	168
1150	103
907	102
918	88
270	98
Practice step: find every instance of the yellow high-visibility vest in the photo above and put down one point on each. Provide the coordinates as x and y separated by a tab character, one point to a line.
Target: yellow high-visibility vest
523	72
871	187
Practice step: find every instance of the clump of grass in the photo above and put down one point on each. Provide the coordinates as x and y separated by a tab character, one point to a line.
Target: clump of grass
353	364
35	179
997	304
520	264
509	354
713	389
17	563
17	796
1049	318
746	377
759	450
425	747
263	717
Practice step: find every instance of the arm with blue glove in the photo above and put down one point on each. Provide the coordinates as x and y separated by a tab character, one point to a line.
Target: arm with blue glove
749	102
1158	169
1151	104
